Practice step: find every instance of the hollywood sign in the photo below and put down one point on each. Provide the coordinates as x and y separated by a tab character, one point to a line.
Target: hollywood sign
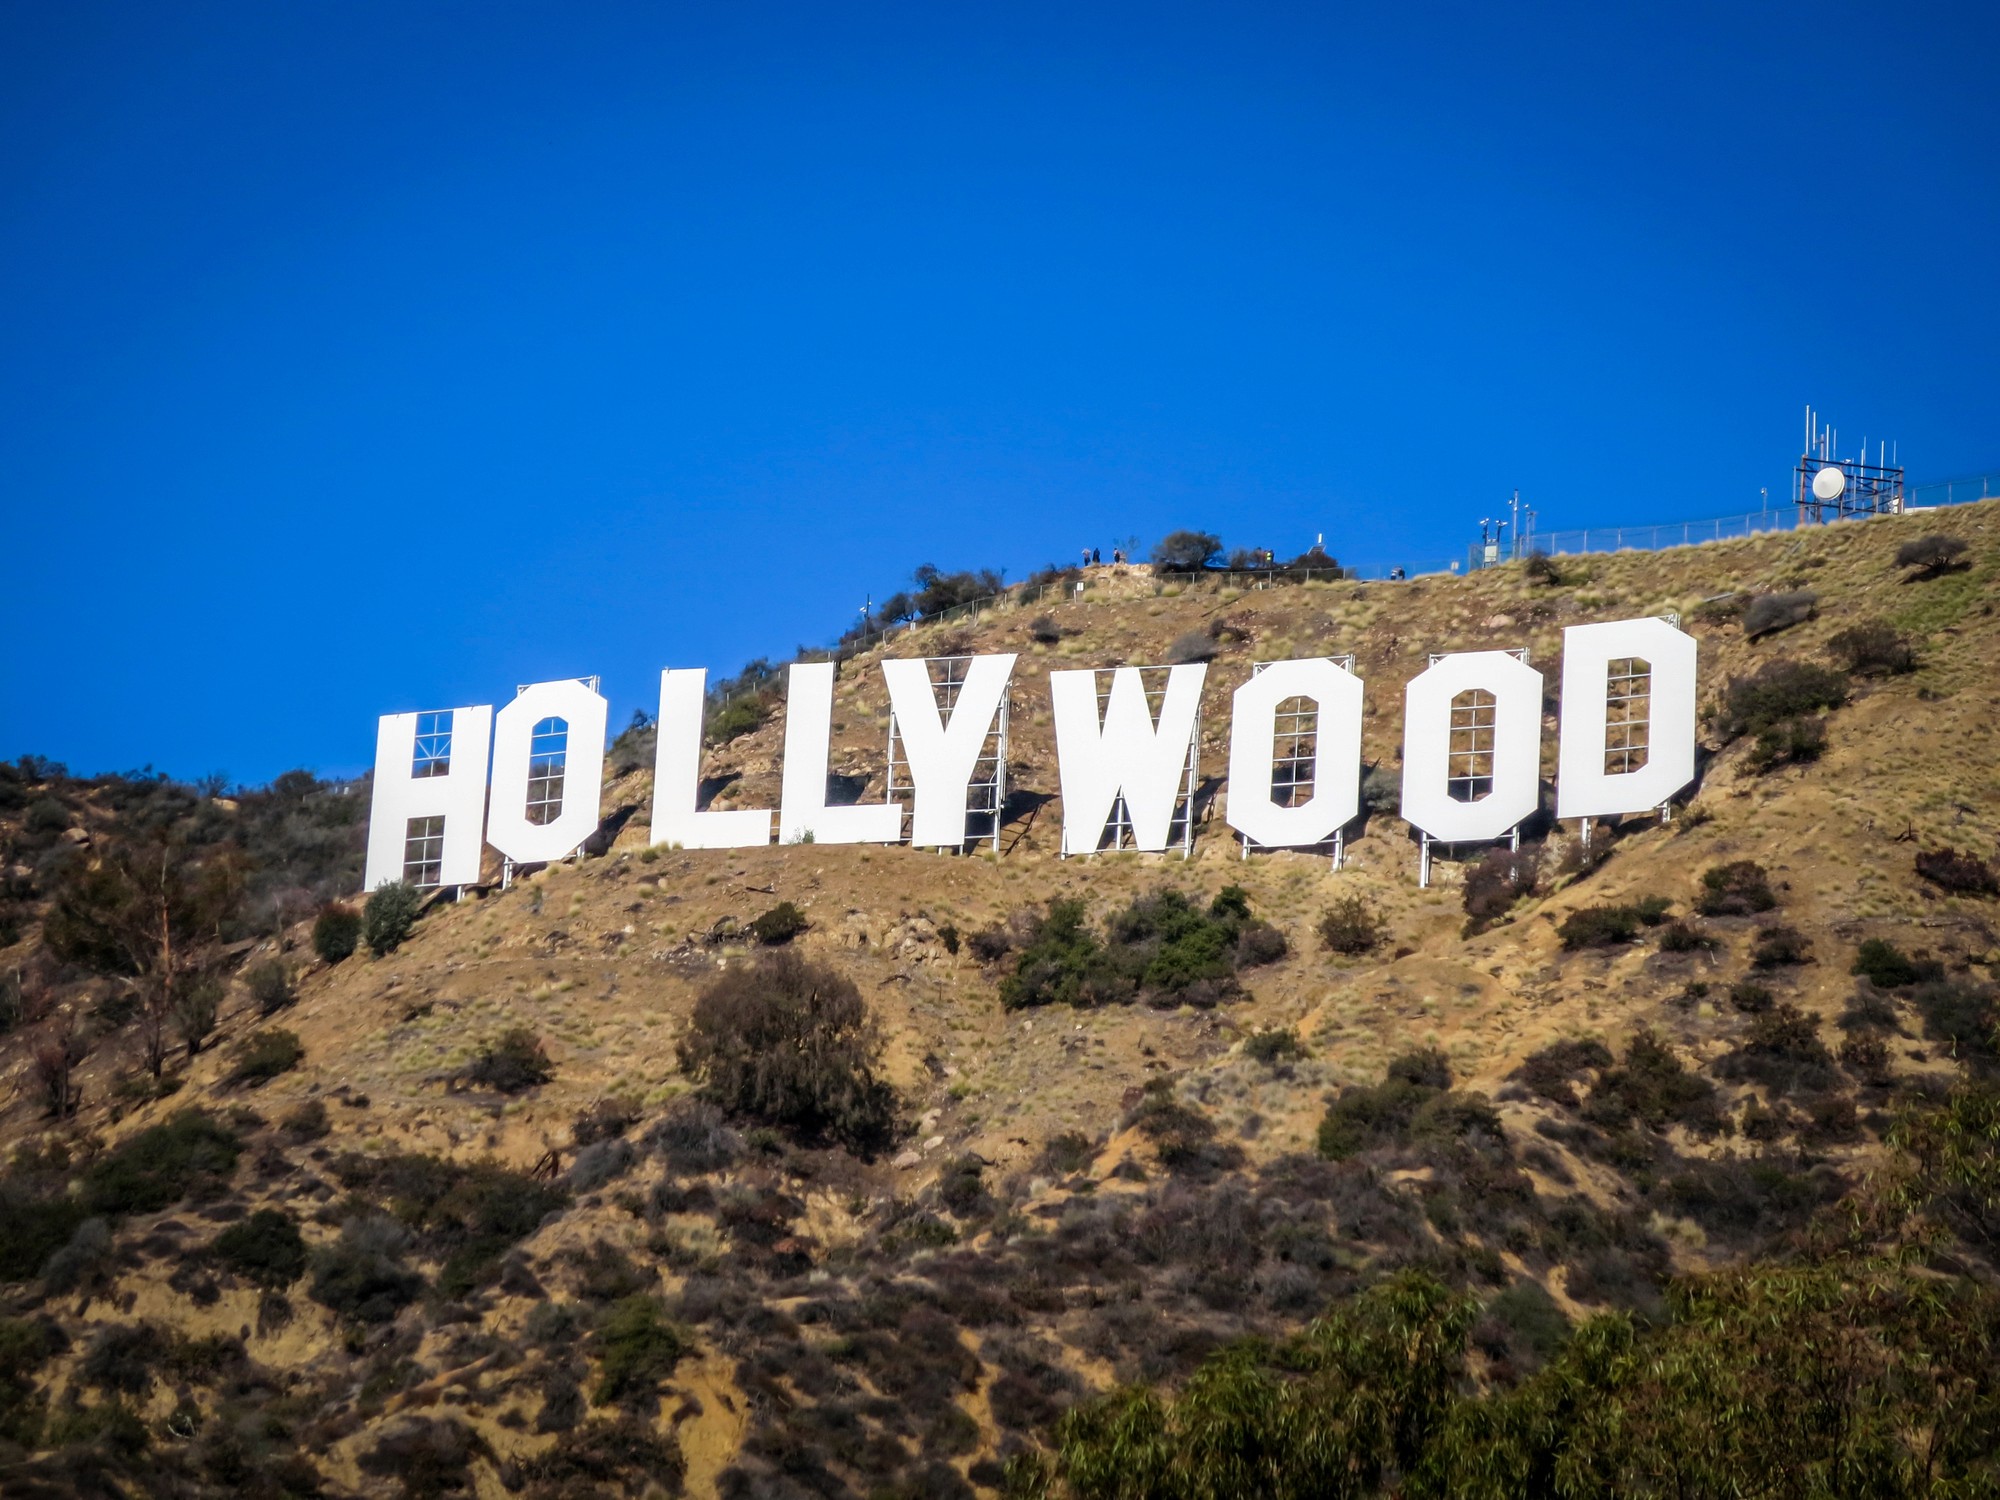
528	779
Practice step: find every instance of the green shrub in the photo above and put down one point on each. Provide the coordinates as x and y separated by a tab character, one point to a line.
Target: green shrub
195	1009
1277	1045
270	985
1365	1117
1750	997
1775	692
792	1044
336	932
1873	648
265	1248
511	1063
1164	946
389	916
264	1055
1739	889
1789	742
1888	967
1650	1087
1352	926
1599	927
468	1214
780	924
159	1166
637	1347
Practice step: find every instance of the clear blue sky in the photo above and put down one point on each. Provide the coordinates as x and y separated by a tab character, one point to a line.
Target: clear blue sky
359	358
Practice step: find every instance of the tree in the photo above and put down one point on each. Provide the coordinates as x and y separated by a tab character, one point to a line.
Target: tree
791	1043
153	911
1185	551
390	915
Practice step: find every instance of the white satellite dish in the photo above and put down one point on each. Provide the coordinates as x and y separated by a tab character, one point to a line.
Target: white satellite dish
1829	484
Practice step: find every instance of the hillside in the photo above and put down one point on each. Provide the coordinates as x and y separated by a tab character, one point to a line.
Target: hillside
598	1284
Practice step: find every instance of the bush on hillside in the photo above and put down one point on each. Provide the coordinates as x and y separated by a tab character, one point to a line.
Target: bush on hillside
622	1457
1931	555
159	1166
1044	630
1163	946
195	1009
1352	926
1541	568
264	1055
1962	1014
1603	926
1185	551
1775	692
1789	742
1278	1044
1961	873
270	985
1739	889
512	1063
637	1347
389	916
1769	613
790	1043
1873	648
1499	879
468	1214
1888	967
265	1248
1366	1117
336	932
1551	1072
780	924
1192	646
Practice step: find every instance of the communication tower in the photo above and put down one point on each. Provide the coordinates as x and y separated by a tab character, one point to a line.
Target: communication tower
1829	488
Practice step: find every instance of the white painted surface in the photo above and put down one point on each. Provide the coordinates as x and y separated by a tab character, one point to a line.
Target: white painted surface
1517	731
1125	753
942	754
458	796
507	826
677	775
808	738
1336	796
1583	789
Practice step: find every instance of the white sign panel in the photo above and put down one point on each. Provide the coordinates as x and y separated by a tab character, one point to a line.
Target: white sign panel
802	811
429	765
1584	788
547	744
941	755
677	775
1126	754
1335	694
1515	737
